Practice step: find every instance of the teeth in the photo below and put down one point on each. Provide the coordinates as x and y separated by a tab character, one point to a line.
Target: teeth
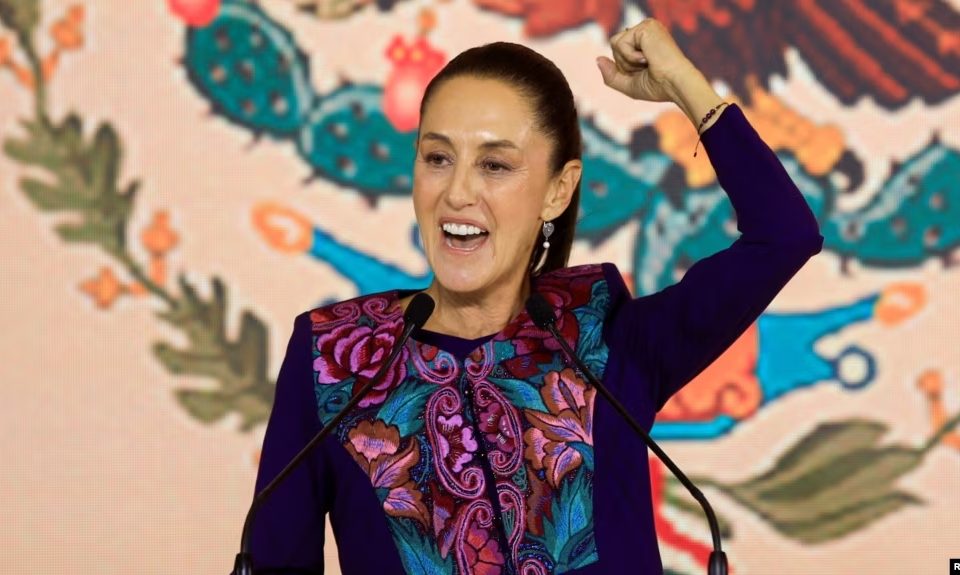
461	229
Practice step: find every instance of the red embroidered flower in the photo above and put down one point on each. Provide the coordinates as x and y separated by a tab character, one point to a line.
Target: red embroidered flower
496	428
570	420
428	352
482	552
536	346
358	351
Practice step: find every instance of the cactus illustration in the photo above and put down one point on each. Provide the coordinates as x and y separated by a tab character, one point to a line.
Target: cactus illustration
250	69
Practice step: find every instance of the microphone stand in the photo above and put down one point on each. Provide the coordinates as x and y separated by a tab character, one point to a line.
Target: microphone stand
542	314
415	317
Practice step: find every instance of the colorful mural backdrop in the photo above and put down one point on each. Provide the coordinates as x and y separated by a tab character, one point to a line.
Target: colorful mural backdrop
180	178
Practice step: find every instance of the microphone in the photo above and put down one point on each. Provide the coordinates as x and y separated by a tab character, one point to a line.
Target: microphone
416	314
542	314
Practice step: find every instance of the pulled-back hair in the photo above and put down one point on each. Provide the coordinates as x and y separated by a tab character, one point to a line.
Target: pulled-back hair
544	86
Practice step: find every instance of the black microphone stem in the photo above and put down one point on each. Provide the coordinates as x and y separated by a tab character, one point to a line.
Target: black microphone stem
718	560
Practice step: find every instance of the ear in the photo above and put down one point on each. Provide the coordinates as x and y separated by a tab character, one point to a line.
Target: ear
561	190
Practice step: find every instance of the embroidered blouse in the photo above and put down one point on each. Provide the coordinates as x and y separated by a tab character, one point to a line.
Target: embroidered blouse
494	456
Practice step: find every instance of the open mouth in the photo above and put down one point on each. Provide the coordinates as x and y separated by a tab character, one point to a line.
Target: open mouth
463	236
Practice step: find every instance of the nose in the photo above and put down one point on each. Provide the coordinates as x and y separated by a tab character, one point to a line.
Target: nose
463	190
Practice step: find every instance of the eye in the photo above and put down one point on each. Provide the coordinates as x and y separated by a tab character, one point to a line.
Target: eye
434	159
494	167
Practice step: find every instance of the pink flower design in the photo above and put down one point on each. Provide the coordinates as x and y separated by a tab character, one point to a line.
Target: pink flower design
570	420
495	426
350	350
374	446
456	442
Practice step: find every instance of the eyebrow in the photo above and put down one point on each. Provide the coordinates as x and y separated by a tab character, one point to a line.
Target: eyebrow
490	144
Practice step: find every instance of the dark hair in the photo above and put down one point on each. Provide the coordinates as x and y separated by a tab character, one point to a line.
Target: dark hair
545	87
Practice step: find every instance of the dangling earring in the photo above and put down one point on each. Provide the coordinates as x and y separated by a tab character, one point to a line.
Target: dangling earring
547	232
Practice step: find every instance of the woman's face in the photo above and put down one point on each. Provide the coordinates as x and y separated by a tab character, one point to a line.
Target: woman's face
482	185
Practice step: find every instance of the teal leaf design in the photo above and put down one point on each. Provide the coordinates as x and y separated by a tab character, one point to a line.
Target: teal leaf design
590	344
331	398
419	554
405	405
568	535
521	393
585	450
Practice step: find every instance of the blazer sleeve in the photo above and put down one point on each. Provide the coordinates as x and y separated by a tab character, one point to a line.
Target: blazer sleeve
288	531
680	330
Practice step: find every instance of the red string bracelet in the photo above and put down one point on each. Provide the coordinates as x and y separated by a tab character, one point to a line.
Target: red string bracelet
709	115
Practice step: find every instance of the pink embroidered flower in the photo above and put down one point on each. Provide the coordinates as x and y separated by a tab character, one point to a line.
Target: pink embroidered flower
496	427
358	351
456	442
374	447
570	420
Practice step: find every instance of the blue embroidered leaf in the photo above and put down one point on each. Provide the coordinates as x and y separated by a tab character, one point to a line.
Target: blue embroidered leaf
420	555
581	550
331	398
600	296
509	518
569	534
585	450
405	406
557	363
521	393
590	344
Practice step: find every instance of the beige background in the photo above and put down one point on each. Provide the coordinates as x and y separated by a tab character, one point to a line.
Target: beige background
104	473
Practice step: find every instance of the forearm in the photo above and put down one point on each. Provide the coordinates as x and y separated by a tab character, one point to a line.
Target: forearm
693	94
769	206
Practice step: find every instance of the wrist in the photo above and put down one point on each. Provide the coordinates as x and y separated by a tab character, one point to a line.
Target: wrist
692	92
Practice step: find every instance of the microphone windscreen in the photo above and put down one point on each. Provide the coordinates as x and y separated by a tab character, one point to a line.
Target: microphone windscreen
541	312
418	310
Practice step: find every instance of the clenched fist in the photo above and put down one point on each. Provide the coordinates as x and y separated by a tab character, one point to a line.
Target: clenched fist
647	63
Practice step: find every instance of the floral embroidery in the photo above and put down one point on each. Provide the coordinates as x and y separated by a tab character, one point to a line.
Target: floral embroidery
497	428
374	447
357	351
481	553
478	462
456	442
553	443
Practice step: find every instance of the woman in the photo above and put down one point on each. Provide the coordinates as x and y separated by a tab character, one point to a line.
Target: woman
482	451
